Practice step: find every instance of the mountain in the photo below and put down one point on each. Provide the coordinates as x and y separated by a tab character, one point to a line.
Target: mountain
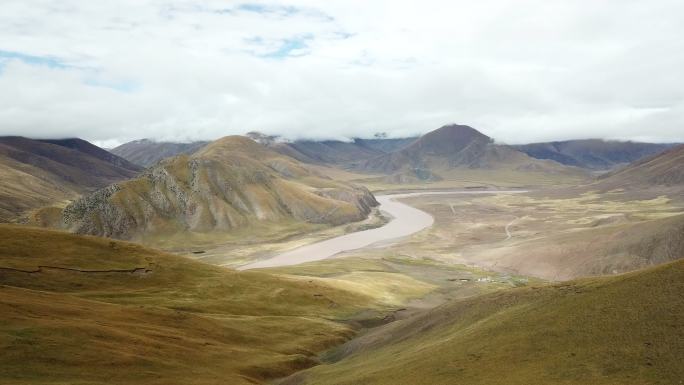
146	152
346	154
623	329
331	152
85	310
385	145
439	153
665	169
231	183
37	173
595	154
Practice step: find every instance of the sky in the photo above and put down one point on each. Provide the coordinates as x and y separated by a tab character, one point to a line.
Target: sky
519	70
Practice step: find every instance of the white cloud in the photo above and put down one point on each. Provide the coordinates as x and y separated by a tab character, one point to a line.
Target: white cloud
521	71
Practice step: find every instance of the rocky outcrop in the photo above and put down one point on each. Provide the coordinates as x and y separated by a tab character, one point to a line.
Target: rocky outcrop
359	196
86	215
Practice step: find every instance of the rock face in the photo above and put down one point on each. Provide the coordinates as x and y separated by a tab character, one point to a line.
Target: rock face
231	183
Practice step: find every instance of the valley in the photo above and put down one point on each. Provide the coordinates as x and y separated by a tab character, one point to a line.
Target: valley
267	268
404	221
271	192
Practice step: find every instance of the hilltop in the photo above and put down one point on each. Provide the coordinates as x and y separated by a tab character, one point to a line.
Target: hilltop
454	149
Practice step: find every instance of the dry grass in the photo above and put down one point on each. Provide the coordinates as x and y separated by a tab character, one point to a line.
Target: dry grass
390	289
477	178
173	321
24	188
408	285
229	246
35	173
615	330
553	237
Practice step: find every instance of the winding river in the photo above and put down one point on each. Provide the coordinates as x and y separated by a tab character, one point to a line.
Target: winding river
406	220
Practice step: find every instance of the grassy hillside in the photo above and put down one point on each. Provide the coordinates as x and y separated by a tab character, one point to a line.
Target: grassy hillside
626	329
85	310
665	169
36	173
24	188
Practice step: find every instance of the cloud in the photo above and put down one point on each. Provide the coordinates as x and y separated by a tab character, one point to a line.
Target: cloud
520	71
7	56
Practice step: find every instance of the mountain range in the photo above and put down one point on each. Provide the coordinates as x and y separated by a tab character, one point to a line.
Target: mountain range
150	317
147	152
592	154
42	173
595	154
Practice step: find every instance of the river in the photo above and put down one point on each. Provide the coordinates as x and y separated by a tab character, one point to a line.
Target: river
405	220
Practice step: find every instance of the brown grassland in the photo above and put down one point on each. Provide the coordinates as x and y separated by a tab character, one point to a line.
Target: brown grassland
85	310
626	329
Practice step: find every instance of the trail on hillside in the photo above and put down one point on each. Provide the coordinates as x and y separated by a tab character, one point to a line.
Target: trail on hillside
508	226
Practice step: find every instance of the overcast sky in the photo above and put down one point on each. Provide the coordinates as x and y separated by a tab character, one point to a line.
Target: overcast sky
518	70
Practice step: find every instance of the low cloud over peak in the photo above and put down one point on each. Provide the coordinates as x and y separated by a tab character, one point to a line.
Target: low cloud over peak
521	71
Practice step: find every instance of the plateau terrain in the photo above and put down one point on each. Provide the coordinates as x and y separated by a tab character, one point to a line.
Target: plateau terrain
374	261
272	192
